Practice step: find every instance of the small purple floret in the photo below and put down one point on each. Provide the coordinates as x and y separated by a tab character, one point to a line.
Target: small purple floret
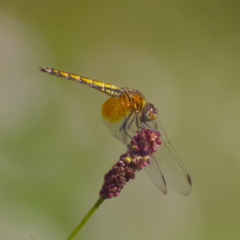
138	156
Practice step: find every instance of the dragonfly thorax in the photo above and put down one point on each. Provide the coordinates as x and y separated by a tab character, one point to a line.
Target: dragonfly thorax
132	99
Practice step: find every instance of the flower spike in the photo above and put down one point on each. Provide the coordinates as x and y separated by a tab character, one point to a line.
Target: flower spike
138	156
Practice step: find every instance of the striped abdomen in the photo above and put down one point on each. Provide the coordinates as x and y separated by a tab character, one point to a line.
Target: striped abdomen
107	88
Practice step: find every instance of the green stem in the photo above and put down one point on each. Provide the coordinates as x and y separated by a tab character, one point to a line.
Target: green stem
84	220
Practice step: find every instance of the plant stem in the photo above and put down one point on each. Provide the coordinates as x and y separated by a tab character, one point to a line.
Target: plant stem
84	220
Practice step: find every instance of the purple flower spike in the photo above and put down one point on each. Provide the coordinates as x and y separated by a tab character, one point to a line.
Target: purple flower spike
138	156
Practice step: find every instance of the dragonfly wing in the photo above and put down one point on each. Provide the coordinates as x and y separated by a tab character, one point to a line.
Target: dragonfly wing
166	168
170	165
154	172
117	117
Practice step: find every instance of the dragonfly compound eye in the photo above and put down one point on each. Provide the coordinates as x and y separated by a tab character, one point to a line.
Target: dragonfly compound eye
149	112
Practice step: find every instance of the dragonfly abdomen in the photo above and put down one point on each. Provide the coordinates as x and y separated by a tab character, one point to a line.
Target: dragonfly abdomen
107	88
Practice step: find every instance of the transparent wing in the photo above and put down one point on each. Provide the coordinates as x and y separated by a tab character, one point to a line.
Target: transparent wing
155	173
166	168
116	128
167	163
119	120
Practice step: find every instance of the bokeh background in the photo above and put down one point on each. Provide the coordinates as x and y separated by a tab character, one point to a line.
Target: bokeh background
54	148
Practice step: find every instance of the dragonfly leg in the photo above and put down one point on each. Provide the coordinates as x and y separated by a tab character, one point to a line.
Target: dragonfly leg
124	125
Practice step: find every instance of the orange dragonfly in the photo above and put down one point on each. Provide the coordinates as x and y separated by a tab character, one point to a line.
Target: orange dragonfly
127	111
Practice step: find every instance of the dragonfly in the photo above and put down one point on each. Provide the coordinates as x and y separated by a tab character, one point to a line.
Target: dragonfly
124	113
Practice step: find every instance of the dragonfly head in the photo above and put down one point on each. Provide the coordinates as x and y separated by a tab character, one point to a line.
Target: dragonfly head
149	112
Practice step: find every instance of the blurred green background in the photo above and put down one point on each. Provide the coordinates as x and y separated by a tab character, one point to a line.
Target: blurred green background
54	148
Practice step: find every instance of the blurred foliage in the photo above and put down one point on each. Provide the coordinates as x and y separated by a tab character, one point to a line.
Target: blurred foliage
54	148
